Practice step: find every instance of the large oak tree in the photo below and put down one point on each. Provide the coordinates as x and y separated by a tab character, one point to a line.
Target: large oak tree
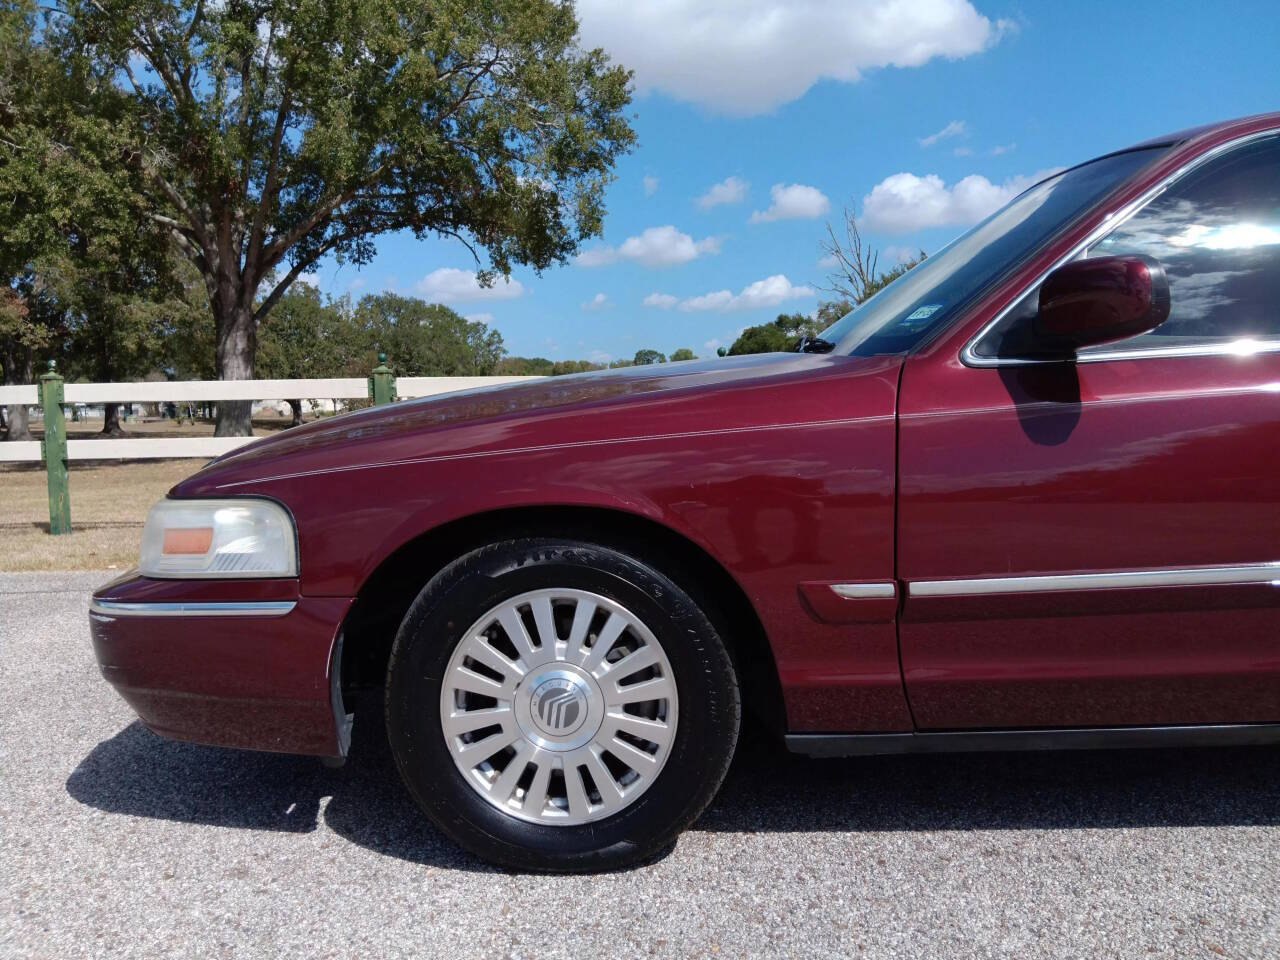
275	132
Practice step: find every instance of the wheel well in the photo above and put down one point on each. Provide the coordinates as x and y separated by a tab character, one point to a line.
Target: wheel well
386	596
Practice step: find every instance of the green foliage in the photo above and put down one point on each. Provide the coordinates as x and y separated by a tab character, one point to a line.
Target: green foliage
309	337
644	357
784	333
86	271
271	134
684	353
187	330
542	367
425	339
57	195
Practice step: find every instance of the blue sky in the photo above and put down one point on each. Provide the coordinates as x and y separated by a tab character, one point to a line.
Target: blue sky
921	115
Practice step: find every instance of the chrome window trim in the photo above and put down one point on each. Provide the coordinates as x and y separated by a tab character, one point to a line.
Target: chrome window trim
1180	577
1109	223
255	608
863	591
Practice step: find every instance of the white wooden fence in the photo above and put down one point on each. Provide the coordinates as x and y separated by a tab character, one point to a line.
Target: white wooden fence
143	448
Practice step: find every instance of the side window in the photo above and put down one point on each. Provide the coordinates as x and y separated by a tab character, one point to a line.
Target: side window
1217	233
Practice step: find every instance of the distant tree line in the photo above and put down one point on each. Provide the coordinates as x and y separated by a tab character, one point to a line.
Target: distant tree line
542	367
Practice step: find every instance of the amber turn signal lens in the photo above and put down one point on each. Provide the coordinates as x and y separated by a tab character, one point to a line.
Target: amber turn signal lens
188	540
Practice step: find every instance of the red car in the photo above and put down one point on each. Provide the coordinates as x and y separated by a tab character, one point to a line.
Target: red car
1027	496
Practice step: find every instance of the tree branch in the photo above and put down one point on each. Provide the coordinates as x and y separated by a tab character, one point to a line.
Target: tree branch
197	16
266	202
153	50
275	251
199	230
280	288
179	233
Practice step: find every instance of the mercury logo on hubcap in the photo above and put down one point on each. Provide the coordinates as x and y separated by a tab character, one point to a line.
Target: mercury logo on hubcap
559	706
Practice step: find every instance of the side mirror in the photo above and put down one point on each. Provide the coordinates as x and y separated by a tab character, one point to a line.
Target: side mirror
1088	302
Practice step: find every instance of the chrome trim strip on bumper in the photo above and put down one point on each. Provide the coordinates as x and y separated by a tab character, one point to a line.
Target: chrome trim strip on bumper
255	608
1186	577
860	591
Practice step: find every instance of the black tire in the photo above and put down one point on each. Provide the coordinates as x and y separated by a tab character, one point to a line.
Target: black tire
706	686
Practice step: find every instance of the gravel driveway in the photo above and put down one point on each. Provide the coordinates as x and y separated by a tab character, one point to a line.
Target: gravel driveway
116	842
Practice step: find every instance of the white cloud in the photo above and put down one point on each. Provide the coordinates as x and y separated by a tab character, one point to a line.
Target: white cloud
793	202
768	292
451	285
719	300
750	56
311	279
728	190
905	202
599	356
596	257
485	318
953	129
829	261
650	186
655	247
963	151
663	301
598	302
1003	148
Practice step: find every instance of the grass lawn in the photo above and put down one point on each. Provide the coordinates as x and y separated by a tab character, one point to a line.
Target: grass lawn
109	502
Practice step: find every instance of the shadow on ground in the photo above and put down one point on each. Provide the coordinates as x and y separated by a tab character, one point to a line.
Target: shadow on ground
768	789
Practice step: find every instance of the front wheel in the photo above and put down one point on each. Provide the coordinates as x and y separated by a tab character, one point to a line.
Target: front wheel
558	705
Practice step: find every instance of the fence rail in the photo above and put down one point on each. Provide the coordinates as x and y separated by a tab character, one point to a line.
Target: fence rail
127	448
56	450
188	391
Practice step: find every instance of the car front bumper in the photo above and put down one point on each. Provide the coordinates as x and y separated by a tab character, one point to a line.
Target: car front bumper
247	663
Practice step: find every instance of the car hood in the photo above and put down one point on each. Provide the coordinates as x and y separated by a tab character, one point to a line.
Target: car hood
422	426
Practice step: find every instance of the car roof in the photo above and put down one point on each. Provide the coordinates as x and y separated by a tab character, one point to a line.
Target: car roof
1191	133
1259	121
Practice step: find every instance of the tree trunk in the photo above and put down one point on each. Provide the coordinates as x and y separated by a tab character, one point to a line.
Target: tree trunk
237	340
111	420
19	367
19	426
296	407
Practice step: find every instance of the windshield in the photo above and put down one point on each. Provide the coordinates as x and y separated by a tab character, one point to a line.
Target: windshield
925	297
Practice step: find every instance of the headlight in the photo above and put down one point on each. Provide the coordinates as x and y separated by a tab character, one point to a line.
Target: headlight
218	538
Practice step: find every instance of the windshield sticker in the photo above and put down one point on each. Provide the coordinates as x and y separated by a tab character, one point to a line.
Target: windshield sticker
923	313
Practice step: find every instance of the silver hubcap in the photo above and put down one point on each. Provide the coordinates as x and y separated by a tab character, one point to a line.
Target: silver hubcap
559	707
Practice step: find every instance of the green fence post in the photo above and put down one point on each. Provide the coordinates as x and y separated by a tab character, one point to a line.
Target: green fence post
382	385
54	448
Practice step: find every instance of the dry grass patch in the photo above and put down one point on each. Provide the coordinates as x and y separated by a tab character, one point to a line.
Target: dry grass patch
109	500
109	504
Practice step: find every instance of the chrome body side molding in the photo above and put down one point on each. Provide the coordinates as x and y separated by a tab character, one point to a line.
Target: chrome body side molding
860	591
254	608
1180	577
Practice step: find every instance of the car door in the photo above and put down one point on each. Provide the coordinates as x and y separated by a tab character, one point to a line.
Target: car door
1097	543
